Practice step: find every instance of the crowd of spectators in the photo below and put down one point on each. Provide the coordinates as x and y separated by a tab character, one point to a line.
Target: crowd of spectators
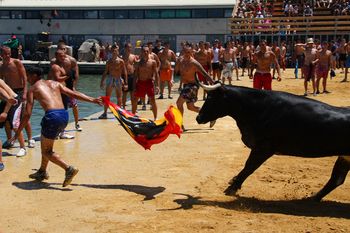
264	8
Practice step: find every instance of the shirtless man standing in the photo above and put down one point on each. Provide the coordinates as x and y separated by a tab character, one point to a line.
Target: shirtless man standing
263	60
277	51
229	61
245	58
13	73
49	94
129	60
146	80
309	66
299	49
323	67
342	54
347	62
71	67
166	56
188	67
204	58
283	55
115	67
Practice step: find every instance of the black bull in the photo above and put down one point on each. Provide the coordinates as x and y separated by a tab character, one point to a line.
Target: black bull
273	122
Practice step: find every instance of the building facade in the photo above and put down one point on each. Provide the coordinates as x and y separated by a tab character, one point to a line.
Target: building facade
110	21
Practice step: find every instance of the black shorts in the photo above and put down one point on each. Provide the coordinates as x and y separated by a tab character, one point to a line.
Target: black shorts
342	56
130	82
14	115
244	63
216	66
2	108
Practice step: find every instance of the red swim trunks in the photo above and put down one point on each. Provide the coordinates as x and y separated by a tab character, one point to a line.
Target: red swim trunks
201	77
322	71
262	81
144	87
165	74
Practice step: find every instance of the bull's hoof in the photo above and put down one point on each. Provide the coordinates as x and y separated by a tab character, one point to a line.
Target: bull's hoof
232	181
230	191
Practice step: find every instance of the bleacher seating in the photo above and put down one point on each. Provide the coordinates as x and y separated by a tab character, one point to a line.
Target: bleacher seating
321	22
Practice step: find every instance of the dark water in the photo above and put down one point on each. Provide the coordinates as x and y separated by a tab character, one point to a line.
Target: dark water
89	85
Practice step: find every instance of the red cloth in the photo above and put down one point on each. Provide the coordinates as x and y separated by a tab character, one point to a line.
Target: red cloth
262	81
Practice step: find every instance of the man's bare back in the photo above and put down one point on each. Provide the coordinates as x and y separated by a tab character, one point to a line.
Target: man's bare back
48	94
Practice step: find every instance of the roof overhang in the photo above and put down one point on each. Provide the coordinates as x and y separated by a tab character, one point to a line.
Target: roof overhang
105	4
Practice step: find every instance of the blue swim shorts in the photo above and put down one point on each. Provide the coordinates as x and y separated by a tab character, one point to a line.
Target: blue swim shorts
347	62
54	122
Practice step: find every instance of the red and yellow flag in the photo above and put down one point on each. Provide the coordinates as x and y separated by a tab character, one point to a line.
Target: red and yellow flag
144	131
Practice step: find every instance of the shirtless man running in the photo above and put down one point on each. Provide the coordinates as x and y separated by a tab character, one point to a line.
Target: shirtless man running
166	56
129	60
48	94
263	60
146	80
323	67
188	67
115	67
13	73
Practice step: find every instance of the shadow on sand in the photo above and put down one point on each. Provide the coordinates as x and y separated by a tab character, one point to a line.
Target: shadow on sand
36	185
148	192
290	207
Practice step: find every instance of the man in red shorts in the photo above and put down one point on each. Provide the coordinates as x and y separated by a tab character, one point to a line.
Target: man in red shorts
263	59
166	56
323	67
144	82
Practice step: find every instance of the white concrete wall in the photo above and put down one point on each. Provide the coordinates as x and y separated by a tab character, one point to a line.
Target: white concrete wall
112	26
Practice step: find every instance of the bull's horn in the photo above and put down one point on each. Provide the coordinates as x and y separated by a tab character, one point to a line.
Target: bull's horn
208	87
212	123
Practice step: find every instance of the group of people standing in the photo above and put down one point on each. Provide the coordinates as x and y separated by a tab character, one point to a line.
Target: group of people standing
147	74
318	60
55	95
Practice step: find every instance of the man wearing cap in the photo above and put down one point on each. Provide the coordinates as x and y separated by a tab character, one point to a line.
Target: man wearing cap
310	62
263	59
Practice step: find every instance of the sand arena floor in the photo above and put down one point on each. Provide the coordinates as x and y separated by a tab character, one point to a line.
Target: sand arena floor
177	186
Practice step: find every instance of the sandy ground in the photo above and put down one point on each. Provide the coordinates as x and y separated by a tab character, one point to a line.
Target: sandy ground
177	186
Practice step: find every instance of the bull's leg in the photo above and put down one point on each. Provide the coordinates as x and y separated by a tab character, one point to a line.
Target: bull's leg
340	170
256	158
